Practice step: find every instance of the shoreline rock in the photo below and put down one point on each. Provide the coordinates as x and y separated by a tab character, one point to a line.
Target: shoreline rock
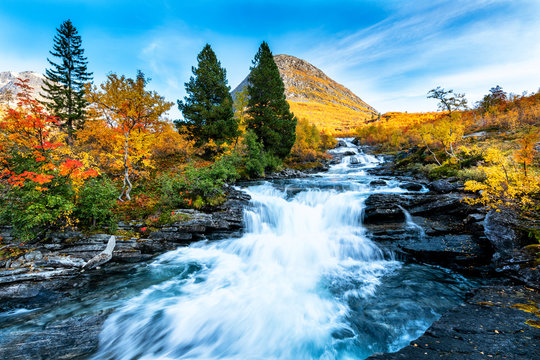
495	322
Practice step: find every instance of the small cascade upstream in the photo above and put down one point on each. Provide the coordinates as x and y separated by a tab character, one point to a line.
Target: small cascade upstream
303	282
409	222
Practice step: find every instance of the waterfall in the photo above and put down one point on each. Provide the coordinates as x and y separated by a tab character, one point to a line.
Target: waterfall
301	283
268	293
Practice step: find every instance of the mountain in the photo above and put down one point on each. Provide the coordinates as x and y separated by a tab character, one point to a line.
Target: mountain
8	89
314	96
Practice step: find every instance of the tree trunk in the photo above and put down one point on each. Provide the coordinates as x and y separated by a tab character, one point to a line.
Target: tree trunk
432	153
126	189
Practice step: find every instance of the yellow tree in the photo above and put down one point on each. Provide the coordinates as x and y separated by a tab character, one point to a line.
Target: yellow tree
425	132
449	132
127	107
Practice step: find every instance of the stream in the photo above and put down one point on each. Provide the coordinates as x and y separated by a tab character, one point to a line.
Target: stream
304	281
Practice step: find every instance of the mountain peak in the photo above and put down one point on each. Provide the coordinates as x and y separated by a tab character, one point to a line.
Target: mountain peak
314	96
9	78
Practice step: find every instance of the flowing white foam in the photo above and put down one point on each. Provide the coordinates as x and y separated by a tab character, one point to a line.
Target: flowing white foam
266	295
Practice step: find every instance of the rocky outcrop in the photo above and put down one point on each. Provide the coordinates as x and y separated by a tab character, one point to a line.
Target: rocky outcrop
287	173
381	208
496	322
499	229
438	229
443	186
79	337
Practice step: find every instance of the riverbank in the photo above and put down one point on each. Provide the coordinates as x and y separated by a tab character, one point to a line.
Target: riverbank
48	268
499	320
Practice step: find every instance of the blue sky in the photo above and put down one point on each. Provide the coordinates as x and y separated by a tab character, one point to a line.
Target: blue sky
390	53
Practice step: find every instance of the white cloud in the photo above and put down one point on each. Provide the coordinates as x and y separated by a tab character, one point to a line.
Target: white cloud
470	46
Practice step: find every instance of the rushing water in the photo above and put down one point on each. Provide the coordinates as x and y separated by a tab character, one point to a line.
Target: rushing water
303	282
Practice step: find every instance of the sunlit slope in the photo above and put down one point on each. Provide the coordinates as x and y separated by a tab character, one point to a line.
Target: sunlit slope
314	96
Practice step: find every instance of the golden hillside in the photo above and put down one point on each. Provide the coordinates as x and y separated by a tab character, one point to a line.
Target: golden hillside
314	96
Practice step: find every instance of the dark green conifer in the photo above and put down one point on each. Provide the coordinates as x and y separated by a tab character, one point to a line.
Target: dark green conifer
208	106
268	111
65	80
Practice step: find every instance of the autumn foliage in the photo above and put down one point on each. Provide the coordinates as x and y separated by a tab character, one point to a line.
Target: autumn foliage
493	147
39	175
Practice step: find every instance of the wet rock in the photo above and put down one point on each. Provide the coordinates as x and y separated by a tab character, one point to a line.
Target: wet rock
341	143
411	186
433	204
442	186
41	275
447	250
287	173
73	338
380	208
60	261
522	266
494	323
499	229
377	182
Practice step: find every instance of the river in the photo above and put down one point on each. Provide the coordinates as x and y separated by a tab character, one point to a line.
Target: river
304	281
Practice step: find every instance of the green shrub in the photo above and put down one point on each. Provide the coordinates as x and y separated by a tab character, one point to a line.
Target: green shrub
473	173
32	212
94	207
198	187
256	161
447	169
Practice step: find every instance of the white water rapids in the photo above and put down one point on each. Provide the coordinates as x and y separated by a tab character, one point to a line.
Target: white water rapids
303	282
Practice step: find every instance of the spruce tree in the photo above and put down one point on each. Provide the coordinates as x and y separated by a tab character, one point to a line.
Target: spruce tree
66	79
268	111
208	106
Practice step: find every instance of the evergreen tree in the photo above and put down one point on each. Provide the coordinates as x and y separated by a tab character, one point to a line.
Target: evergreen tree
65	80
208	107
268	111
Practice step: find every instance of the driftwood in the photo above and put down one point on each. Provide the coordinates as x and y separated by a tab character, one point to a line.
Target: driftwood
103	256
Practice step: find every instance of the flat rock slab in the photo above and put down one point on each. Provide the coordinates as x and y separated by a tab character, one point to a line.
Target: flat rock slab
75	338
495	323
447	245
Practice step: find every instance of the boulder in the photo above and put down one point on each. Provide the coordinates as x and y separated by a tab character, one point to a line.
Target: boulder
410	186
381	208
442	186
454	251
79	339
499	229
377	182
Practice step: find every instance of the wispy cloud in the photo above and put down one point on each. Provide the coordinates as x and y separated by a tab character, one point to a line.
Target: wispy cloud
466	45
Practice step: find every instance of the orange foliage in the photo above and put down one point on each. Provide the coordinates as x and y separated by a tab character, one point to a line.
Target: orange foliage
27	133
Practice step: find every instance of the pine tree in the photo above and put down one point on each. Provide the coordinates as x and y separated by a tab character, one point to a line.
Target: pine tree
66	79
268	111
208	107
